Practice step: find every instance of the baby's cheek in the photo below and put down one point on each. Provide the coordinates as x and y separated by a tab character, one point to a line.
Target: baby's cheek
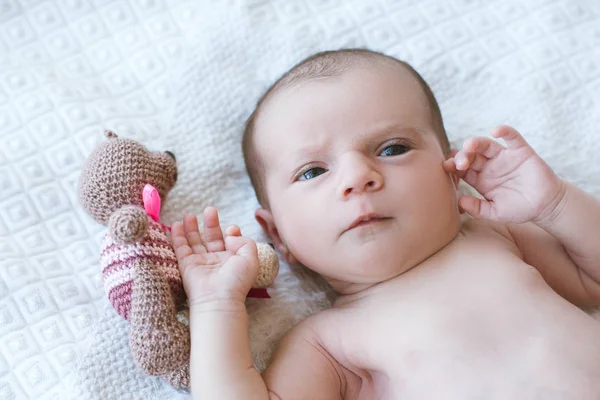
302	240
308	246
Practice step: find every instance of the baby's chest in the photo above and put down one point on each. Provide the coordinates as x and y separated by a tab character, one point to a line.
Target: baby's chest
459	349
412	362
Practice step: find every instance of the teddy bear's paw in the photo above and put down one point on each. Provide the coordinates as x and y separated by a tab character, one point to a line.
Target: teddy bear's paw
159	351
180	378
128	224
268	265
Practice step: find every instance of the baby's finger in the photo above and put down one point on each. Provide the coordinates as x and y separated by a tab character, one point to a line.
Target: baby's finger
471	177
463	160
450	167
478	163
233	230
485	146
180	244
190	224
213	235
244	262
511	136
476	207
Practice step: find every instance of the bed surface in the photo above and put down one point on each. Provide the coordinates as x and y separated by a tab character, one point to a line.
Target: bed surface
183	76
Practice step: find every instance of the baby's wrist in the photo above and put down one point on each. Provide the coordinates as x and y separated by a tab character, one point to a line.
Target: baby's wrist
218	303
552	211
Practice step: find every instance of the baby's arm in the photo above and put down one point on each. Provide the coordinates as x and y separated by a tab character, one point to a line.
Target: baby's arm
303	369
222	367
565	246
575	222
217	276
555	225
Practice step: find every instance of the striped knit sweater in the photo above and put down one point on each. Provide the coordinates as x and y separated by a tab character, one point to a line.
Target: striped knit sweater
117	262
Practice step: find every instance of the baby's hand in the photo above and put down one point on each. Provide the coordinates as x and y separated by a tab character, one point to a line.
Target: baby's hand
223	270
518	186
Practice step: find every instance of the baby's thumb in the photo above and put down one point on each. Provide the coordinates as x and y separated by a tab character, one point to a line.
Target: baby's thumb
242	246
475	207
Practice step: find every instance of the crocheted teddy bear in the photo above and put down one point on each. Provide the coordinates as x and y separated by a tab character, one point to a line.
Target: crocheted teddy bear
139	269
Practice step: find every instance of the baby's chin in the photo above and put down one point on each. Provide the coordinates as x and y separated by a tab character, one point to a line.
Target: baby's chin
358	278
364	262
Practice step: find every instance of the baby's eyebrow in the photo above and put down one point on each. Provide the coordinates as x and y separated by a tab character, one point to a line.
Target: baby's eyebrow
395	128
302	155
308	151
315	150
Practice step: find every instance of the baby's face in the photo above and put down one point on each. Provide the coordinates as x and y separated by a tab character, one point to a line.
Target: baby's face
357	145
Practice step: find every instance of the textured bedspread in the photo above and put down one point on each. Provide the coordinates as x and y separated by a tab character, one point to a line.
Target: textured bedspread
183	76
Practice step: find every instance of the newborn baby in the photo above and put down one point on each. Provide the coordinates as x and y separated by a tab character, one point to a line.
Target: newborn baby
356	180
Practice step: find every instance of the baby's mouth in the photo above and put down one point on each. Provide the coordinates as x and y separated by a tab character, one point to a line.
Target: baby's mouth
366	220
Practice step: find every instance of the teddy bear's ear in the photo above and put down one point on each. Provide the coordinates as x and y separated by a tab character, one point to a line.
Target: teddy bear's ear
110	134
268	267
128	224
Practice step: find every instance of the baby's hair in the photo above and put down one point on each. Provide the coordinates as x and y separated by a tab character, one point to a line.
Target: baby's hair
322	65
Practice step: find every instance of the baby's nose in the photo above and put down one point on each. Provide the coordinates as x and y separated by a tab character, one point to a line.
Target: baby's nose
369	186
359	178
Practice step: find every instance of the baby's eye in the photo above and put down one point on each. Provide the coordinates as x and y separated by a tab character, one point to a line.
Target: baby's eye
311	173
394	150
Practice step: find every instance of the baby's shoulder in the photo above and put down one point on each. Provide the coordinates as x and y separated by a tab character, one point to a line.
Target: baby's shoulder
310	328
323	328
320	323
481	229
303	356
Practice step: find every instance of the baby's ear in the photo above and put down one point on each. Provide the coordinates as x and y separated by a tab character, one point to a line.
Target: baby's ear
266	221
454	177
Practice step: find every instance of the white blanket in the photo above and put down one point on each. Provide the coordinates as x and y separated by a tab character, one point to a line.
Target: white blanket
183	76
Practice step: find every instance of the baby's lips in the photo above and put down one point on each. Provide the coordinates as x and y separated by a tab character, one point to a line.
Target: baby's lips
365	217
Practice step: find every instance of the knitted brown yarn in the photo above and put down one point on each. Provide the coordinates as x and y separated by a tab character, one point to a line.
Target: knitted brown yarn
180	378
139	268
268	265
128	224
159	343
118	263
115	175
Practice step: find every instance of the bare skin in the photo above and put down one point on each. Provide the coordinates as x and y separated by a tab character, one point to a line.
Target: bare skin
429	307
471	322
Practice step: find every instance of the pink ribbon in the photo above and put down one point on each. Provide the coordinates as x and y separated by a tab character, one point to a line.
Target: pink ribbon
151	199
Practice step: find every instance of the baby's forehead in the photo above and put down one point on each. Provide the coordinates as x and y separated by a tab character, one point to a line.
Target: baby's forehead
392	71
301	99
